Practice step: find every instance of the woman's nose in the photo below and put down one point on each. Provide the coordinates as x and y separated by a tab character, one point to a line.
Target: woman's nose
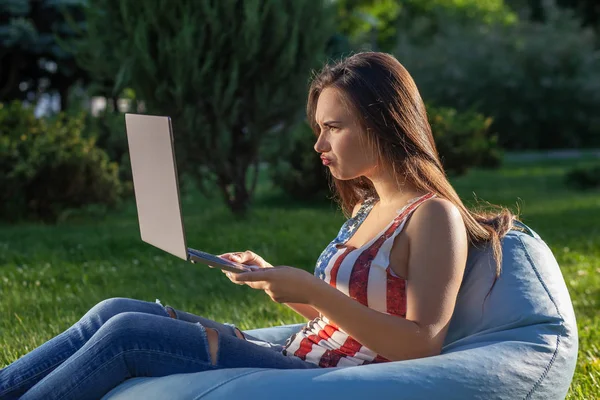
321	146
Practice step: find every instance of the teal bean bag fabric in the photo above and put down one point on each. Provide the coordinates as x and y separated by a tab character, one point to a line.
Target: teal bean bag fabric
520	344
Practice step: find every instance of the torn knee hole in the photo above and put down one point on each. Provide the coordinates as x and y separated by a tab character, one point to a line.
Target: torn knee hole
168	309
239	334
213	344
171	312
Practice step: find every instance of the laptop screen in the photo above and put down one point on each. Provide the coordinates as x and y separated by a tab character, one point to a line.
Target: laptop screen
155	184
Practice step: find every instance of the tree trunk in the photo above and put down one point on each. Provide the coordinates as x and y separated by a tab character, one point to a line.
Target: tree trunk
63	92
9	72
236	195
114	101
241	200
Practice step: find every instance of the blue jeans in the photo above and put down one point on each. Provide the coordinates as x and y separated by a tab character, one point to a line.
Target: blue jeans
123	338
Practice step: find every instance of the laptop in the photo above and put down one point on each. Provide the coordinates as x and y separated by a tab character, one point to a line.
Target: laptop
156	188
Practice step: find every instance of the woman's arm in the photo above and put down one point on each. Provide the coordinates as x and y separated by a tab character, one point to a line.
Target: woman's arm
437	257
307	311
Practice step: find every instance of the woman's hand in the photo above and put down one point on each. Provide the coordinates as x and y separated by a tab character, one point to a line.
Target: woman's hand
283	284
247	258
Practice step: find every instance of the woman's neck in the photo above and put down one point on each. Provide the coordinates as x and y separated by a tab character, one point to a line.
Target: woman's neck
391	192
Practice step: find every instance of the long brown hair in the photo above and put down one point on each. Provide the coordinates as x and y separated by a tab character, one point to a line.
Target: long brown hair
392	114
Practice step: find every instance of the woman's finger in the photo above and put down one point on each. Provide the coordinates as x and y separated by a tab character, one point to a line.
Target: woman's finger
226	256
248	258
231	277
240	257
244	257
255	276
255	285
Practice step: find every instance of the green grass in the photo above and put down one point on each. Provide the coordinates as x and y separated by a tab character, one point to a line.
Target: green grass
51	275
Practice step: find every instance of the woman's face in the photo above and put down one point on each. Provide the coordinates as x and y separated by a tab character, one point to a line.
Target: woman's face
342	142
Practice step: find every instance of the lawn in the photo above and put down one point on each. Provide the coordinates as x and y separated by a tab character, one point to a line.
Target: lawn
51	275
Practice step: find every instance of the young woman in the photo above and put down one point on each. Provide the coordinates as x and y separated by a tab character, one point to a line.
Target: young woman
383	290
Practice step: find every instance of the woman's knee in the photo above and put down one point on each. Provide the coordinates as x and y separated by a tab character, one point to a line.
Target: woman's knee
126	325
110	307
117	305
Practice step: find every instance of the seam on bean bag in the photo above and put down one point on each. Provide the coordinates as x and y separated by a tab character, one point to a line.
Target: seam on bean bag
551	362
215	387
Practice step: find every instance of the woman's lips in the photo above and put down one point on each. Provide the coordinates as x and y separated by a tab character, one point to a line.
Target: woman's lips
326	161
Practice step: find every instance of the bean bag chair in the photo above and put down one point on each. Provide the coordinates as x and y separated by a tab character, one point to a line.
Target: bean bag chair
520	344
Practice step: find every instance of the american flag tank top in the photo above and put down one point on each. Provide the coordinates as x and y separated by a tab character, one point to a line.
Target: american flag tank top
364	275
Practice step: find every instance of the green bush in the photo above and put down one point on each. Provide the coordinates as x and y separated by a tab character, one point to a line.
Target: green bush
584	178
463	141
226	72
540	82
299	170
47	167
375	24
108	129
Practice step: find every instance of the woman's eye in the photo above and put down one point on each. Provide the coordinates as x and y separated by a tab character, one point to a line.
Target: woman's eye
334	128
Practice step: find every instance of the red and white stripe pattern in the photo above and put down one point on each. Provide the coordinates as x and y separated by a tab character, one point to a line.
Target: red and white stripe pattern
364	275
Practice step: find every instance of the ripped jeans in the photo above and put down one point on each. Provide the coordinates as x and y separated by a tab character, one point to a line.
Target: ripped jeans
122	338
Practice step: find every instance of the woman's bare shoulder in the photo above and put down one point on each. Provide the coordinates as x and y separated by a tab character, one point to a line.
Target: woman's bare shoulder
436	213
436	224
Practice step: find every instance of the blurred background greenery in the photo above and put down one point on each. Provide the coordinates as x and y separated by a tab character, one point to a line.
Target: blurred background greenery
513	97
497	76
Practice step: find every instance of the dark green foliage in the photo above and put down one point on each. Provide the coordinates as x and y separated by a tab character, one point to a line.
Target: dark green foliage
463	139
300	173
108	129
587	10
226	72
540	82
31	58
376	24
368	22
47	167
584	178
